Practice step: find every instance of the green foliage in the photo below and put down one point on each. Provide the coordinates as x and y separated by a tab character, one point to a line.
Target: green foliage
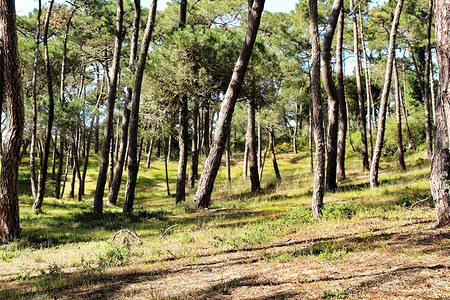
114	256
339	210
339	294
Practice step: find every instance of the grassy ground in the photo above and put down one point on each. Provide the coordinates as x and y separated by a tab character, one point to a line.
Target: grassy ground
371	244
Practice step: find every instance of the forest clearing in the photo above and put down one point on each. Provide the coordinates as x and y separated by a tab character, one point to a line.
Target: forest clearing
219	150
371	244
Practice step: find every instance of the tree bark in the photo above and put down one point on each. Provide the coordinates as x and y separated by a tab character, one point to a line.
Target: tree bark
319	172
311	136
165	167
206	183
272	150
398	95
440	168
340	172
133	166
34	124
294	138
384	98
108	132
183	138
426	98
206	128
51	110
12	138
193	170
333	101
245	166
150	150
362	108
228	159
251	142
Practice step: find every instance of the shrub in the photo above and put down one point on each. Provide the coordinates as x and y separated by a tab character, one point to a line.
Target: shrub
339	210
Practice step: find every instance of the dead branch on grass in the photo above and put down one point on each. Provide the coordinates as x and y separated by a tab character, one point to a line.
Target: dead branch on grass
132	236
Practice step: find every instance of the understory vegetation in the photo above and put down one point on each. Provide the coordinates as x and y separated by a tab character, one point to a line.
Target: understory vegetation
262	244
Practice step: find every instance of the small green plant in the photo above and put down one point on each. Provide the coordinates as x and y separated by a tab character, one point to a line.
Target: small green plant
114	256
339	294
340	210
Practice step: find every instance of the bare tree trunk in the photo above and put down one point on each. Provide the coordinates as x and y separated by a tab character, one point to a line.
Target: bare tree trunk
426	98
319	172
150	150
111	164
259	147
384	99
9	55
440	168
405	113
183	139
294	137
368	88
51	110
311	135
55	145
433	97
206	183
68	160
34	124
340	172
272	150
245	167
398	93
165	166
362	108
108	132
228	159
251	142
333	101
206	128
193	170
133	166
263	160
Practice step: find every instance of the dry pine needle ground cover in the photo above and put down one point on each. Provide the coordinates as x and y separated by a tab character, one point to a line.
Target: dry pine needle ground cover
371	244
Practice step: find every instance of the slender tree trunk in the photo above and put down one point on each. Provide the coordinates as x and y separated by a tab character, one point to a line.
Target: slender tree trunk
141	145
228	159
34	124
133	166
9	55
259	147
433	97
169	150
97	129
51	110
165	167
251	142
263	160
319	172
311	136
206	128
55	145
401	158
272	150
405	113
245	166
66	172
384	99
183	138
294	138
111	164
150	150
340	172
206	183
362	108
108	132
333	101
440	168
426	98
193	170
368	88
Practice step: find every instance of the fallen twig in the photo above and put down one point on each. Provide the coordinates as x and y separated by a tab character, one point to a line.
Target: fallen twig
420	201
167	230
133	234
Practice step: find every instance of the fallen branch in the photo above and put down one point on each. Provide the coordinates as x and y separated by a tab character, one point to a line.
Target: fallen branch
167	230
125	240
420	201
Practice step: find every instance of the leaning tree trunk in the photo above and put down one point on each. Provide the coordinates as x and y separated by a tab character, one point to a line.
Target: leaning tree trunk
34	124
319	172
12	138
272	150
108	132
333	101
401	158
51	111
340	172
118	170
440	168
206	183
133	166
384	99
251	142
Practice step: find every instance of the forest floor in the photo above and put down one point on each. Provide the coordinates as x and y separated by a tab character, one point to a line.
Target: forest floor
371	243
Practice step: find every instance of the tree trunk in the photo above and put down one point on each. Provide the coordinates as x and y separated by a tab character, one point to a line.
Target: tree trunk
150	150
311	136
340	172
398	93
251	142
319	172
263	160
440	168
183	139
384	99
206	128
55	147
68	160
133	166
272	150
51	110
259	147
193	170
294	138
333	101
34	124
165	167
362	108
228	159
111	163
426	98
245	166
108	132
9	55
206	183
